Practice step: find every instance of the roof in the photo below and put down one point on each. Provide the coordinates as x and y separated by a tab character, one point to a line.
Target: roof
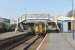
64	18
37	16
4	20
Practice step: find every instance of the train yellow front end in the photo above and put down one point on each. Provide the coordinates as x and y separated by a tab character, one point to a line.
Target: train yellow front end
40	28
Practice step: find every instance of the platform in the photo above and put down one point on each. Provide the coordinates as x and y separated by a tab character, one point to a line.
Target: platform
11	34
56	41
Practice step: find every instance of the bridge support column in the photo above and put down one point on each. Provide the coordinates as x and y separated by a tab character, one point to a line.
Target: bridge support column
19	27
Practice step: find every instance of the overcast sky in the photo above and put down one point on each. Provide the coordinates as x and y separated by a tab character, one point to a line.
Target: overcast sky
12	8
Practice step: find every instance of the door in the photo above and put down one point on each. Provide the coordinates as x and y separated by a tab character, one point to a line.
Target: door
65	26
69	26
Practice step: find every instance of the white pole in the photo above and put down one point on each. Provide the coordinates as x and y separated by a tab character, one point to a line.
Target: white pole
73	17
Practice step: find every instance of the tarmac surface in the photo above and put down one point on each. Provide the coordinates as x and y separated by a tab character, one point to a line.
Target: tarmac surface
57	42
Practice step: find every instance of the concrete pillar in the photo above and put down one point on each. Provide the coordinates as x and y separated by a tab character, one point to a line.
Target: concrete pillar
21	26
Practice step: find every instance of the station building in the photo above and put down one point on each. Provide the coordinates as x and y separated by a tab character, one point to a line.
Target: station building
66	24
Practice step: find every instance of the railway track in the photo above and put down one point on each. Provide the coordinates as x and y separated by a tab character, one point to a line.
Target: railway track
30	44
21	42
26	44
13	42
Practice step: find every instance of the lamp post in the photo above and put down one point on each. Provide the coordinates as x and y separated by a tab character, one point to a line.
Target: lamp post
73	17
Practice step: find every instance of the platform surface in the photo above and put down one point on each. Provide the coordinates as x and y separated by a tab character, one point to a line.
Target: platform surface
11	34
56	41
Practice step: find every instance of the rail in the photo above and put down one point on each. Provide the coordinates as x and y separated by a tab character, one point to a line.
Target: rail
44	44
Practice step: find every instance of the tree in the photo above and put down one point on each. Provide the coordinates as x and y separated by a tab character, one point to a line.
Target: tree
70	13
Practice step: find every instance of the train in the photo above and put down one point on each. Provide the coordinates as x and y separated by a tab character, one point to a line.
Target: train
41	28
52	27
38	28
4	25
